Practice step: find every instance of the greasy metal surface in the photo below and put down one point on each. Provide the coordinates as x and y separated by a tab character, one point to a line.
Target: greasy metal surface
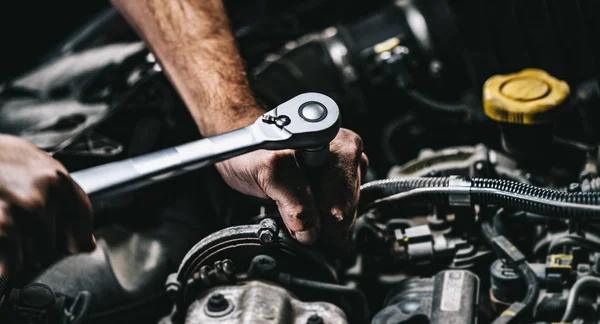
259	302
241	243
466	161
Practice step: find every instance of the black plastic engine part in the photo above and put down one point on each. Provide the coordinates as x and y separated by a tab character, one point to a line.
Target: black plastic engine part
506	285
34	303
587	99
506	250
452	296
528	142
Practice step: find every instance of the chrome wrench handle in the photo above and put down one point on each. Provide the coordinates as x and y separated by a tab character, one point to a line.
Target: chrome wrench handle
309	120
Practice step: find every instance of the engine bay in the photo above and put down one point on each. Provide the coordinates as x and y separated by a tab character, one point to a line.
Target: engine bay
480	204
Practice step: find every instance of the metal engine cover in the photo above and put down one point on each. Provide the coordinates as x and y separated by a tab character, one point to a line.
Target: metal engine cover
259	302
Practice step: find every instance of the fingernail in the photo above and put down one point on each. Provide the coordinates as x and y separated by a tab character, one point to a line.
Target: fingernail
337	214
307	237
94	240
72	246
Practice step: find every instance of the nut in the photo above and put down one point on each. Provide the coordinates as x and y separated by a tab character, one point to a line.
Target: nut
268	231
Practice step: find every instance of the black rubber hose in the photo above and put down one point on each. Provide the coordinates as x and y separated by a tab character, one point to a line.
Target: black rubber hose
525	307
579	285
428	102
572	240
355	296
80	308
501	193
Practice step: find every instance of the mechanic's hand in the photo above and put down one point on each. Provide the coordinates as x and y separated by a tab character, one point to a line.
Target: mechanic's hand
275	175
40	207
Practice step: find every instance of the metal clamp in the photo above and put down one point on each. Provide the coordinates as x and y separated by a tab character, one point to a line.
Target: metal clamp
459	191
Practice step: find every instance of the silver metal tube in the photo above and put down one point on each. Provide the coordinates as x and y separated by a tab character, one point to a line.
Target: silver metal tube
139	171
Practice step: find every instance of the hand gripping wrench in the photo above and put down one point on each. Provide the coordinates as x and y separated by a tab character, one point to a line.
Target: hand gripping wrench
308	121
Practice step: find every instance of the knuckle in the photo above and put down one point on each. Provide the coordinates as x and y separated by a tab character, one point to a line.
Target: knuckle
47	178
278	159
296	218
337	215
267	166
295	213
272	159
6	223
36	203
356	144
277	164
364	160
351	144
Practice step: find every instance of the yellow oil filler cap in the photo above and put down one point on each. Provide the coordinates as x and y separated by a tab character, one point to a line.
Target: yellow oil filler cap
528	97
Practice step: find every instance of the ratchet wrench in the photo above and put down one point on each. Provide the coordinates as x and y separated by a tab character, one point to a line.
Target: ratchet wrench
308	121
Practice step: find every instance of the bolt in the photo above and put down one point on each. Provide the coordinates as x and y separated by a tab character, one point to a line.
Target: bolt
400	50
479	166
583	94
150	58
265	236
228	267
204	275
172	291
315	319
217	266
291	45
426	152
597	266
262	266
172	286
217	303
330	32
583	268
268	231
384	56
435	67
574	187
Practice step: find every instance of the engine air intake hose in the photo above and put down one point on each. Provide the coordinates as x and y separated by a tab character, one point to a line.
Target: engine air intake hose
429	102
455	191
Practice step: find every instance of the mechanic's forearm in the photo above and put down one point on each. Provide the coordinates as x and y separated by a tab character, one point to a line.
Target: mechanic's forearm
197	51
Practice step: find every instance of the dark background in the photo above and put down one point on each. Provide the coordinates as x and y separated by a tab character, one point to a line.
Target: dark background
499	35
29	29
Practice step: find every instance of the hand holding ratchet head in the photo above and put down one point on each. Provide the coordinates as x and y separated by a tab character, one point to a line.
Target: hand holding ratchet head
307	123
276	175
